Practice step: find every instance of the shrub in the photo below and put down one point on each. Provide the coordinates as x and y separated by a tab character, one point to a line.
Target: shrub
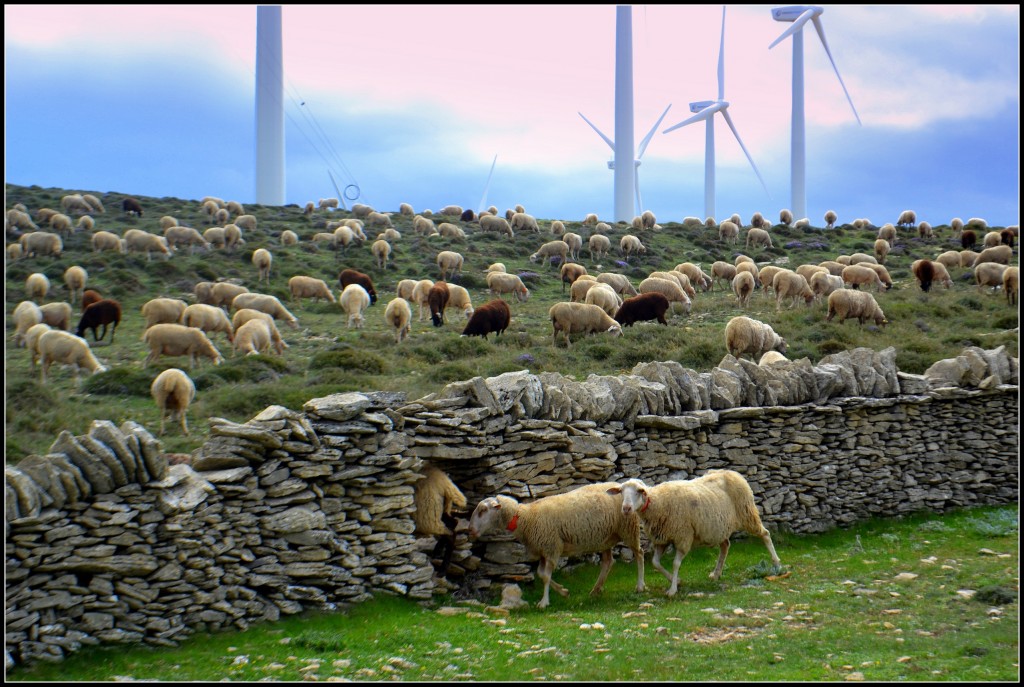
120	381
349	358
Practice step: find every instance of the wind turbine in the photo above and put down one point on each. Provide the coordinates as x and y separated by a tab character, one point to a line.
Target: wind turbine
706	110
800	15
269	107
483	199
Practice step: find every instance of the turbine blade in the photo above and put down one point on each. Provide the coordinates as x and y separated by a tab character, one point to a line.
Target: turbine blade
821	34
797	25
487	186
636	183
606	139
700	116
728	120
647	138
721	60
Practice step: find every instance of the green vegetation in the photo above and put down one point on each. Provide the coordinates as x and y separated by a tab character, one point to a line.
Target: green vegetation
325	356
926	598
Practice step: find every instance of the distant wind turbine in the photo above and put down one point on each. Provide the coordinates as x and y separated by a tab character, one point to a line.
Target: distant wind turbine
800	15
706	110
269	107
483	199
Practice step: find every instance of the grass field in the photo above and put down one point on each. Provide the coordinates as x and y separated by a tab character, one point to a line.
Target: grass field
324	356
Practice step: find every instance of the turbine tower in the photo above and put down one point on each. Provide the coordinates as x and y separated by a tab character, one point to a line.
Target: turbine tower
483	198
706	110
269	107
623	163
800	15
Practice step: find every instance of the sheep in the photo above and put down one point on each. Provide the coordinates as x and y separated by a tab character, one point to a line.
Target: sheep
247	222
858	258
450	264
743	287
496	267
766	275
771	358
599	245
31	340
167	221
949	258
924	230
89	297
130	206
41	243
722	270
643	307
460	299
859	304
570	272
56	346
697	276
232	236
398	316
262	259
604	297
830	219
234	207
351	276
823	283
883	274
985	274
580	317
710	222
173	391
246	315
584	520
216	237
14	251
637	224
140	241
162	311
500	283
405	209
85	223
289	238
785	217
967	258
976	223
103	312
751	269
551	249
557	227
327	203
177	339
354	300
1011	284
833	267
758	237
437	300
807	271
907	218
498	224
210	208
223	293
575	243
94	203
856	275
1000	254
185	235
521	221
957	225
264	303
630	244
580	287
21	220
677	277
253	337
420	296
941	275
619	282
26	315
746	336
215	199
881	251
75	203
1007	236
404	288
887	232
434	497
37	286
728	232
423	225
493	316
704	511
302	286
590	220
968	239
209	318
789	284
992	238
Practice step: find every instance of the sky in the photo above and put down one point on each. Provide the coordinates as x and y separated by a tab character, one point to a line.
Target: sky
411	103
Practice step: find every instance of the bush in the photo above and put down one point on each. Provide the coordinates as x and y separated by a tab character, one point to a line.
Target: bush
120	381
351	359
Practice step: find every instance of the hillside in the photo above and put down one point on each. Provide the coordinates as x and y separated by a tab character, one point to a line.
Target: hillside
325	356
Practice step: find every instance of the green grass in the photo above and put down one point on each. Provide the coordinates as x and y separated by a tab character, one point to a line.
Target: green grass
885	600
325	356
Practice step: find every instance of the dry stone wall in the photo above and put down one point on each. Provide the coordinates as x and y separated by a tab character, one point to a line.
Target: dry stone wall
108	542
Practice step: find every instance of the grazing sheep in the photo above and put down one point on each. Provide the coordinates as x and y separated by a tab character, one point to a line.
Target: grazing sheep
247	222
888	233
398	316
570	272
967	258
630	244
807	271
405	209
450	264
185	235
289	238
580	317
849	304
354	300
94	203
378	219
41	243
766	276
1000	254
420	296
697	276
883	274
423	225
31	340
924	230
722	270
648	220
500	283
210	208
37	286
585	520
493	316
557	227
89	297
61	224
599	246
746	336
642	308
85	223
603	297
262	259
881	251
550	249
162	311
173	391
992	238
253	337
177	339
234	207
949	258
302	286
770	358
789	284
1011	284
758	237
264	303
215	199
976	223
833	267
56	346
391	235
221	217
857	275
968	239
521	222
203	292
216	237
138	241
957	225
580	287
437	300
25	316
130	206
822	283
710	222
619	282
344	236
785	217
232	236
223	293
1007	236
496	267
743	287
21	220
637	224
404	288
209	318
704	511
327	203
590	220
728	232
985	274
908	218
575	243
350	276
858	258
498	224
677	277
450	231
941	275
14	251
460	299
830	219
75	203
246	315
434	497
167	221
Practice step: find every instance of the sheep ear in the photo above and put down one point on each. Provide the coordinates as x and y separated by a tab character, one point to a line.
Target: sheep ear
614	490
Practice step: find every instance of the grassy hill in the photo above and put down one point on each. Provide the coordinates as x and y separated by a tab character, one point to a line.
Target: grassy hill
325	356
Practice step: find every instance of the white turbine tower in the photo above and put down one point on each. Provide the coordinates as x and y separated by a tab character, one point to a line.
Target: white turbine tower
483	199
706	110
800	15
269	107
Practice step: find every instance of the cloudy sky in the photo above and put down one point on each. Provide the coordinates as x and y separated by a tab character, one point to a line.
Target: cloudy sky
412	103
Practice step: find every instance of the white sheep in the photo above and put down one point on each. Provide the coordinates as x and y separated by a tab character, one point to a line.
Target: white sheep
252	338
405	209
262	259
590	220
451	231
859	258
1011	284
500	283
575	243
434	497
599	245
94	203
967	258
882	249
177	339
37	286
354	300
302	286
785	217
630	244
999	254
551	249
223	293
584	520
771	358
31	340
450	264
957	225
56	346
496	267
289	238
862	275
14	252
75	203
138	241
186	236
216	237
162	311
398	316
830	219
679	278
637	224
173	391
234	207
21	220
743	287
378	219
209	318
419	296
789	284
728	232
697	276
424	225
41	243
232	236
246	315
710	222
604	297
557	227
404	288
521	222
848	303
221	217
26	315
451	210
326	203
247	222
722	270
908	218
264	303
647	219
498	224
167	221
949	258
824	283
758	237
619	282
85	223
887	232
704	511
580	287
569	318
833	267
57	315
746	336
459	298
924	230
986	274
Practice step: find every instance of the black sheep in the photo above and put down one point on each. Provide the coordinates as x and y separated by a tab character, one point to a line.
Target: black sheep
350	276
646	306
131	206
102	312
493	316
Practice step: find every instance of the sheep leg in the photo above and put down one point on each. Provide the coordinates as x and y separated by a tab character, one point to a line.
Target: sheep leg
723	551
184	421
766	537
680	554
545	575
639	555
659	551
606	564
